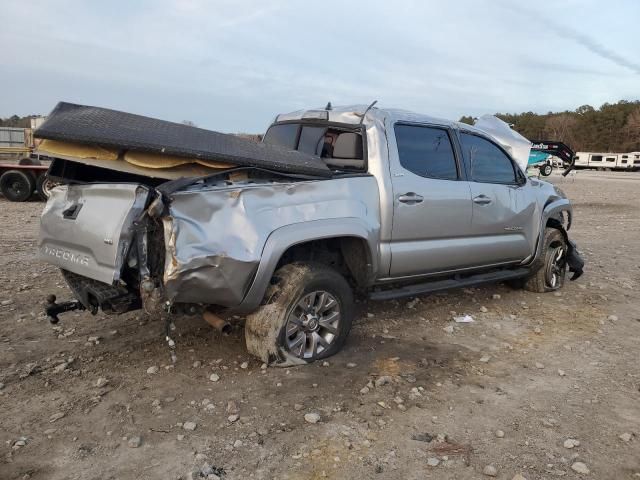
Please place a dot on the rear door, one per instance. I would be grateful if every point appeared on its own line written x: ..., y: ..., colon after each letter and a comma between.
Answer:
x: 432, y: 202
x: 505, y: 211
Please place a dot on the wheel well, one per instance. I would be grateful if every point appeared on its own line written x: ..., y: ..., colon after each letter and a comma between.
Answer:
x: 348, y: 255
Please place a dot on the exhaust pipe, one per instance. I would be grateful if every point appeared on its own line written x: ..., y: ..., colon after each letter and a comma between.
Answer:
x: 218, y: 323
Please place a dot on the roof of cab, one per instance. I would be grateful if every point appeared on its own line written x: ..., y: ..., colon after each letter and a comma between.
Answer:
x: 353, y: 114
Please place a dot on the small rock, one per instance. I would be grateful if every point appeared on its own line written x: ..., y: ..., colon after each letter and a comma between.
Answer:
x: 352, y: 365
x: 244, y: 365
x: 153, y: 370
x: 433, y: 461
x: 612, y: 318
x: 134, y: 442
x: 571, y: 442
x: 517, y: 476
x: 197, y: 364
x: 561, y: 372
x: 101, y: 382
x: 325, y: 364
x: 382, y: 380
x: 312, y: 417
x: 580, y: 468
x: 180, y: 437
x: 232, y: 407
x: 298, y: 406
x: 484, y: 309
x: 539, y: 365
x: 214, y: 377
x: 364, y: 390
x: 490, y: 471
x: 448, y: 329
x: 626, y: 437
x: 56, y: 416
x: 4, y: 303
x: 1, y: 386
x: 496, y: 296
x: 499, y: 434
x: 422, y: 437
x: 237, y: 444
x: 485, y: 358
x: 190, y: 426
x: 233, y: 418
x: 537, y: 330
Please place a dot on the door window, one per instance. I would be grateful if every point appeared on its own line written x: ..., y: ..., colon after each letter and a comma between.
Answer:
x: 426, y: 151
x: 489, y: 164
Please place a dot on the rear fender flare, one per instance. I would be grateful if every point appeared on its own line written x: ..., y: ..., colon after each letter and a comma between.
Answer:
x: 280, y: 240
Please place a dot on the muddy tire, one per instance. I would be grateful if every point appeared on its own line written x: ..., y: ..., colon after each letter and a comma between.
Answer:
x: 306, y: 316
x: 552, y: 267
x: 17, y: 185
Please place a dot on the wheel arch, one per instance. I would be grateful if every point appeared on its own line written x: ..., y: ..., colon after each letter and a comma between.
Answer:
x: 357, y: 244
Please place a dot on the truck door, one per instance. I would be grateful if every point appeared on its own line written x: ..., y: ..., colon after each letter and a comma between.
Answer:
x: 505, y: 212
x: 432, y: 202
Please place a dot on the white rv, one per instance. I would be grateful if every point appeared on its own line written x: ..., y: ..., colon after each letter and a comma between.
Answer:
x: 608, y: 161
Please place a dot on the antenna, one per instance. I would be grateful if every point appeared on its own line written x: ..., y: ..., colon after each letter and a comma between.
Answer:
x: 365, y: 112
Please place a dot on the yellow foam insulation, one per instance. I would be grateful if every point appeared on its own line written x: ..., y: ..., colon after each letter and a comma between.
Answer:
x: 157, y: 160
x: 55, y: 147
x: 214, y: 164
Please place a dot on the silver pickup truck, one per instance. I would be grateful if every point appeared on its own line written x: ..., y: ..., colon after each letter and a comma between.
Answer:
x: 414, y: 205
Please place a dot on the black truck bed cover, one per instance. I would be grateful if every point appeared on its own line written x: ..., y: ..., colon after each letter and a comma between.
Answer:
x: 125, y: 131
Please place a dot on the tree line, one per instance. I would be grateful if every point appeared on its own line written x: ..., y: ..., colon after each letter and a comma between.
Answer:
x: 610, y: 128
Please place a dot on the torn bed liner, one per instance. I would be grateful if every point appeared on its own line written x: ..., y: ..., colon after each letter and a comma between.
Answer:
x: 111, y: 128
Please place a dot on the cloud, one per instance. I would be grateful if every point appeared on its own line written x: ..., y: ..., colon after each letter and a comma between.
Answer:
x: 566, y: 31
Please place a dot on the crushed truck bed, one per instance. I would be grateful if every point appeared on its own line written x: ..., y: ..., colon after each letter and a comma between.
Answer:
x: 125, y: 131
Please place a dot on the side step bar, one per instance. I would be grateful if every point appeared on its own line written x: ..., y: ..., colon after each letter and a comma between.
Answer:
x: 447, y: 284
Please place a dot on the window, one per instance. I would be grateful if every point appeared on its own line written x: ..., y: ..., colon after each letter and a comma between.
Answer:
x: 310, y: 140
x: 596, y: 158
x: 426, y: 151
x: 488, y: 163
x: 285, y: 135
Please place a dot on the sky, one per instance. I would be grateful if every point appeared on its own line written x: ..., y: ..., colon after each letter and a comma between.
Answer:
x: 232, y: 65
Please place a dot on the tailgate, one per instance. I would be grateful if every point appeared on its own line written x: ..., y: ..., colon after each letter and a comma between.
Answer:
x: 87, y: 229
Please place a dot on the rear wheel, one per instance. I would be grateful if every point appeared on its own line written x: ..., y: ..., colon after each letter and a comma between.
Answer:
x: 17, y: 185
x: 552, y: 268
x: 546, y: 169
x: 306, y: 317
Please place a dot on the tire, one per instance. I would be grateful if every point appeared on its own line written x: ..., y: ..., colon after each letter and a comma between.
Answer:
x: 282, y: 333
x: 546, y: 169
x: 551, y: 270
x: 17, y: 185
x: 44, y: 186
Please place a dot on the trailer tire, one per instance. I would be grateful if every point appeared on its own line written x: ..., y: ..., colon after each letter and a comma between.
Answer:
x: 44, y: 186
x: 546, y: 169
x: 306, y: 316
x: 17, y: 185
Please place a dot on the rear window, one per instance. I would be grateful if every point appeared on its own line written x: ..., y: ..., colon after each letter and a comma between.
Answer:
x: 285, y: 135
x: 340, y: 147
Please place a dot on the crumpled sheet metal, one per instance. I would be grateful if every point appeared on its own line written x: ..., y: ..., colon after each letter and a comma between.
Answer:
x: 215, y: 237
x: 514, y: 143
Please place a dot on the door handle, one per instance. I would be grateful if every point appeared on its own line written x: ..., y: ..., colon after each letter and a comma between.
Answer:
x: 410, y: 198
x: 482, y: 200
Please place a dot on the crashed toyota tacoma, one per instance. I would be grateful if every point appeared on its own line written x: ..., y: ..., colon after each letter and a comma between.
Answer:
x: 334, y: 202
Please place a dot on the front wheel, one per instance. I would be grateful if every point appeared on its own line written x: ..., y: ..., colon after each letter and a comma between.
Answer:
x: 552, y: 268
x: 306, y: 317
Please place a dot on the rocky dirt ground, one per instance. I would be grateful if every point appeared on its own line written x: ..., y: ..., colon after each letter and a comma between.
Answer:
x: 538, y: 387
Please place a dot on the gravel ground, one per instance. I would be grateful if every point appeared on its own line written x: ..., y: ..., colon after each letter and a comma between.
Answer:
x: 540, y: 386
